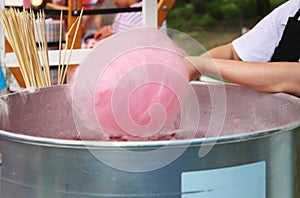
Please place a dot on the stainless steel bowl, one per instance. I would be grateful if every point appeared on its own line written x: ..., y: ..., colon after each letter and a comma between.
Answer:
x: 255, y: 155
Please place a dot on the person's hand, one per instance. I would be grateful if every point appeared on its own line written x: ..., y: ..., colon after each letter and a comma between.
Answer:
x: 103, y: 33
x: 191, y: 67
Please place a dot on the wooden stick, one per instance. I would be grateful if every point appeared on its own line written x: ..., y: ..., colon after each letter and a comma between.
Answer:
x: 36, y: 66
x: 24, y: 27
x: 27, y: 36
x: 13, y: 22
x: 73, y: 42
x: 18, y: 26
x: 43, y: 49
x: 60, y: 80
x: 38, y: 40
x: 30, y: 65
x: 46, y: 49
x: 60, y: 45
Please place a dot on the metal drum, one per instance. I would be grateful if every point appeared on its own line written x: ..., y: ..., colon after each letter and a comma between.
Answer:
x: 256, y: 153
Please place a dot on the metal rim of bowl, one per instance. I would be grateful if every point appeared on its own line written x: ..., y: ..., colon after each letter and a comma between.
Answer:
x: 51, y: 142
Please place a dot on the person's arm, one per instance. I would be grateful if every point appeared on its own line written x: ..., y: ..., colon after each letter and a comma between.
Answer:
x: 266, y: 77
x: 106, y: 31
x: 223, y: 52
x: 89, y: 19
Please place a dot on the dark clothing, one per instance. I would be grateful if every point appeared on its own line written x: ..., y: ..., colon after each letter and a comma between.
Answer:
x: 289, y: 45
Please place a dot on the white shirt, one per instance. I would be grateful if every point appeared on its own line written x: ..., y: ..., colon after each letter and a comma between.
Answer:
x: 125, y: 21
x: 259, y: 43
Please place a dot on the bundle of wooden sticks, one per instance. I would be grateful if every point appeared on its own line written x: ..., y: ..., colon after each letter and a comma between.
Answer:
x: 26, y: 33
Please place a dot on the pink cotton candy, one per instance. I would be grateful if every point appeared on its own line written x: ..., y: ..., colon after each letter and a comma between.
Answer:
x: 136, y: 84
x: 131, y: 86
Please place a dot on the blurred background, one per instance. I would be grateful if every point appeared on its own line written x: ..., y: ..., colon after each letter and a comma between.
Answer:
x: 215, y: 22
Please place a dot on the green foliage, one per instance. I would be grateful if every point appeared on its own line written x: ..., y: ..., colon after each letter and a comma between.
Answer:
x: 180, y: 16
x: 205, y: 20
x: 275, y: 3
x: 187, y: 14
x: 222, y: 9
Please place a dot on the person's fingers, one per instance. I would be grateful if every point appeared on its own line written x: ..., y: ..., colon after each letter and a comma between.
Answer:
x: 97, y: 35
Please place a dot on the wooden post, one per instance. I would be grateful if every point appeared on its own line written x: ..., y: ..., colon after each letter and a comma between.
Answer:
x: 164, y: 7
x: 71, y: 19
x: 15, y: 70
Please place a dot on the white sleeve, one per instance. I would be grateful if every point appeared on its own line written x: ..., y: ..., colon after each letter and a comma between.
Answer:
x: 259, y: 43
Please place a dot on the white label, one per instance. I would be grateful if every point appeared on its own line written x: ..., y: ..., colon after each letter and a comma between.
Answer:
x: 245, y: 181
x: 14, y: 2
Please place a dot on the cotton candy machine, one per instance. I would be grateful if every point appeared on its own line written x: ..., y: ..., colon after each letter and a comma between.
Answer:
x: 256, y: 154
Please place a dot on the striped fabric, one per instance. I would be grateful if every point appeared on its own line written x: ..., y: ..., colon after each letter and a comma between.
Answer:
x: 54, y: 75
x: 127, y: 20
x: 52, y: 30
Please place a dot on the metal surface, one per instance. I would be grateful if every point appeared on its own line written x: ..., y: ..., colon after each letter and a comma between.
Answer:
x: 41, y: 159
